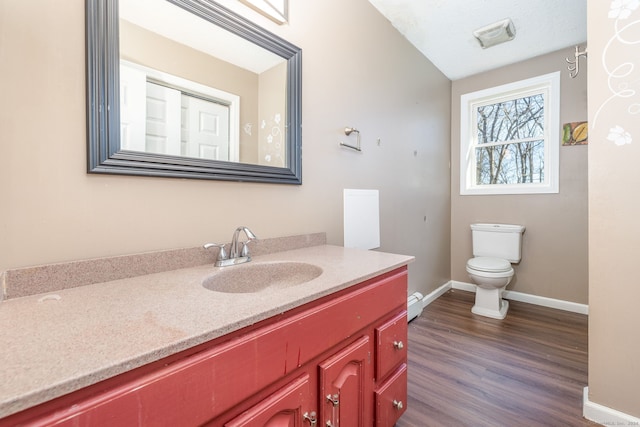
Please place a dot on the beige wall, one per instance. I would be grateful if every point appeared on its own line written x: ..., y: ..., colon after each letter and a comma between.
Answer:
x: 356, y: 72
x: 614, y: 211
x: 554, y: 253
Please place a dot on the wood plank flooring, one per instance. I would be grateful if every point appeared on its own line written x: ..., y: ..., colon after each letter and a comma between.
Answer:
x: 469, y: 370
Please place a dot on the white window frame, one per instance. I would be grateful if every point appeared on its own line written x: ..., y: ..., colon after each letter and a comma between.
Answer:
x: 549, y: 86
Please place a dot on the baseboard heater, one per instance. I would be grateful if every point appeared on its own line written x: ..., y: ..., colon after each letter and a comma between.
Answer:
x: 414, y: 306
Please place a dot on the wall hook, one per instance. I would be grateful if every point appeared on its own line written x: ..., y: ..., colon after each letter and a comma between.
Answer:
x: 574, y: 65
x: 348, y: 131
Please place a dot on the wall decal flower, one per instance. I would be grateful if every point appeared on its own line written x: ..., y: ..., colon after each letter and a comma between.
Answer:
x: 622, y: 9
x: 272, y: 152
x: 619, y: 136
x: 619, y: 59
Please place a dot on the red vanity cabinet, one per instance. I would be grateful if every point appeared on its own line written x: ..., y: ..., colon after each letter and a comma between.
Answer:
x: 327, y: 363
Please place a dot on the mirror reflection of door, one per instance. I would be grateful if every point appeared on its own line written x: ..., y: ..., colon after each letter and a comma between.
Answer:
x: 162, y: 120
x: 205, y: 129
x: 157, y: 117
x: 132, y: 109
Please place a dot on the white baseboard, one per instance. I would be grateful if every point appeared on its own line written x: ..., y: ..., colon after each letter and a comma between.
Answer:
x: 605, y: 415
x: 463, y: 286
x: 531, y: 299
x: 431, y: 297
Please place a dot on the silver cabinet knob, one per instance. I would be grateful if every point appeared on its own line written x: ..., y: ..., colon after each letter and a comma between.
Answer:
x: 398, y: 345
x: 311, y: 417
x: 398, y: 404
x: 335, y: 399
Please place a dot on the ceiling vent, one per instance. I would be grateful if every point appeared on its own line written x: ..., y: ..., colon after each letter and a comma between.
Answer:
x: 496, y: 33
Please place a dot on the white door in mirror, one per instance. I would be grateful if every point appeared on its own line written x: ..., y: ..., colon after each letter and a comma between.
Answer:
x: 162, y: 120
x: 163, y: 114
x: 205, y: 129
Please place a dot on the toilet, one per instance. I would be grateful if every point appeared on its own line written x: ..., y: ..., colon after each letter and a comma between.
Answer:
x: 495, y: 248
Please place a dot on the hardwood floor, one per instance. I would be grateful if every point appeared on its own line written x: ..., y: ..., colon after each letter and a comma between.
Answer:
x: 467, y: 370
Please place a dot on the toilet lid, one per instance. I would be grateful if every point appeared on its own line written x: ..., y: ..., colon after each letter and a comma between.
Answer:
x: 494, y: 265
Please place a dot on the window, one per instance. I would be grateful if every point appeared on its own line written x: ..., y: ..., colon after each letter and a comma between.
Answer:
x: 510, y: 138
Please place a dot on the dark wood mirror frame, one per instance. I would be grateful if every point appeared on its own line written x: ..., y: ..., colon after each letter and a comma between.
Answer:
x: 103, y: 102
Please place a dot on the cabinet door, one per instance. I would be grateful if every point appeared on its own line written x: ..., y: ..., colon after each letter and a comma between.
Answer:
x: 285, y: 408
x: 345, y: 387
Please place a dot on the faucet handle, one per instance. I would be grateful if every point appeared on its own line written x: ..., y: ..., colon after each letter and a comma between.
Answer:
x: 245, y: 248
x: 222, y: 254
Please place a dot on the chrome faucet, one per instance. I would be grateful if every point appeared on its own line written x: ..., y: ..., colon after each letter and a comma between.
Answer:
x: 236, y: 255
x: 244, y: 252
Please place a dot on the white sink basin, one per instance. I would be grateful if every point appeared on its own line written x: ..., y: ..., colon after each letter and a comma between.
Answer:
x: 255, y: 277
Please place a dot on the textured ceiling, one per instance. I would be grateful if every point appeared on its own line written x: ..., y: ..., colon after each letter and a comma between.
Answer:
x: 442, y: 30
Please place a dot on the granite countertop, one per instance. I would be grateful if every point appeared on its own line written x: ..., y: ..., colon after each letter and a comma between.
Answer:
x: 59, y: 342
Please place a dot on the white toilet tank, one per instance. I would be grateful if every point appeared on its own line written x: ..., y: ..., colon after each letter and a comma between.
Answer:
x: 497, y: 240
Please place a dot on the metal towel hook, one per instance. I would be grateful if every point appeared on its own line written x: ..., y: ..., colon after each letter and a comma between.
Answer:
x: 574, y: 65
x: 348, y: 131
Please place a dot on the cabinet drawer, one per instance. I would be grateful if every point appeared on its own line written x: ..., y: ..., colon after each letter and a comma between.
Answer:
x: 391, y: 345
x: 391, y: 398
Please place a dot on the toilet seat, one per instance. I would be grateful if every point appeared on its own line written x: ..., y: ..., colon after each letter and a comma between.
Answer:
x: 489, y: 265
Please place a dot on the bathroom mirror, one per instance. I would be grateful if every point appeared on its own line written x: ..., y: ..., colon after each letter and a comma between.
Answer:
x: 189, y: 89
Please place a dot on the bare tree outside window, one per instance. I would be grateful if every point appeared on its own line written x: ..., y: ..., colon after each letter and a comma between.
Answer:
x: 510, y: 138
x: 510, y: 141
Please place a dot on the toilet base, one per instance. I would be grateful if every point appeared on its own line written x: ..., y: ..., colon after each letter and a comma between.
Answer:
x: 489, y: 303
